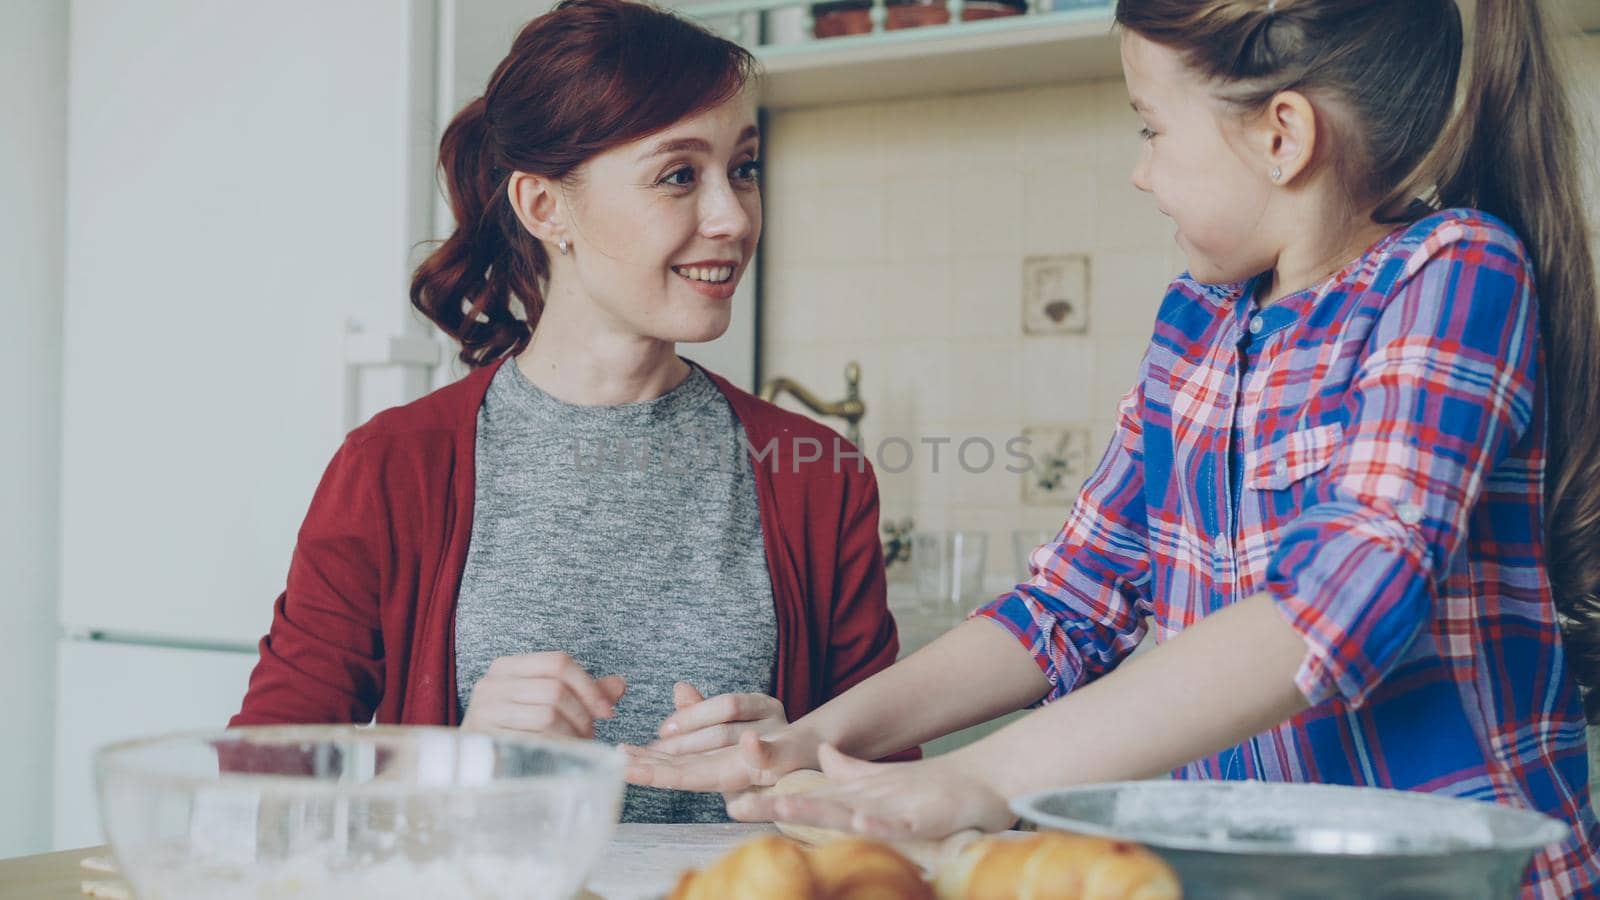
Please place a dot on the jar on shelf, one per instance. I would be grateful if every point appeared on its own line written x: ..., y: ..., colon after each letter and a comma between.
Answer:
x: 845, y: 17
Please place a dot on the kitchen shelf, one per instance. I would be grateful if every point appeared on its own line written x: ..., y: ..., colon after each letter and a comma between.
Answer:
x: 1009, y: 52
x: 990, y: 54
x: 1037, y: 47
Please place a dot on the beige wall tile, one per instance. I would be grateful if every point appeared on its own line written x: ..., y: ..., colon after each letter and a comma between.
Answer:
x: 915, y: 302
x: 917, y: 137
x: 985, y: 382
x: 917, y: 218
x: 986, y: 297
x: 1125, y: 289
x: 985, y: 214
x: 986, y: 134
x: 1058, y: 204
x: 1058, y: 127
x: 1058, y: 379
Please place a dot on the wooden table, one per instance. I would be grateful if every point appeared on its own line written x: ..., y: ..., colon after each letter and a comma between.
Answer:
x: 644, y: 861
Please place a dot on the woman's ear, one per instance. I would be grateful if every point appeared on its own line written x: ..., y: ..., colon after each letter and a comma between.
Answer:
x: 1286, y: 136
x: 536, y: 201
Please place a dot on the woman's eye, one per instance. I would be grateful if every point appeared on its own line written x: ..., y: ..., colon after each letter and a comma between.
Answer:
x: 1146, y: 134
x: 679, y: 177
x: 750, y: 171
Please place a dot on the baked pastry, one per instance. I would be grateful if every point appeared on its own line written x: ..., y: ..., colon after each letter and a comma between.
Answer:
x: 766, y: 868
x: 775, y: 868
x: 1056, y: 866
x: 860, y: 869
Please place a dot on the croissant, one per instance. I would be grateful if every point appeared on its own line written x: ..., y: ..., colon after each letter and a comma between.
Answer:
x: 1056, y: 866
x: 775, y: 868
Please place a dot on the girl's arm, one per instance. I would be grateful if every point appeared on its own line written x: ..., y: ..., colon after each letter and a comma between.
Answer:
x: 1228, y: 677
x: 971, y: 674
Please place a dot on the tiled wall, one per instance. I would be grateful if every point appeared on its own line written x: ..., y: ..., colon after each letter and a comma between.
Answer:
x: 896, y: 237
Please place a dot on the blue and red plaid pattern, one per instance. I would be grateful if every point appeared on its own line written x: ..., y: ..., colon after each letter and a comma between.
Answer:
x: 1389, y: 432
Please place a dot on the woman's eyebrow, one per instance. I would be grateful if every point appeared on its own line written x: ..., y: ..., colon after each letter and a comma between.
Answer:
x: 695, y: 145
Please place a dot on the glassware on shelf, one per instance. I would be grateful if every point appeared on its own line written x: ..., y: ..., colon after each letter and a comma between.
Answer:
x: 949, y: 570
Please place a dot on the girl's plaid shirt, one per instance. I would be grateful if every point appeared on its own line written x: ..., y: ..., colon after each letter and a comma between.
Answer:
x: 1371, y: 454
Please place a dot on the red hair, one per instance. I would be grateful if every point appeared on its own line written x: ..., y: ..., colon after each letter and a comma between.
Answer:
x: 585, y: 77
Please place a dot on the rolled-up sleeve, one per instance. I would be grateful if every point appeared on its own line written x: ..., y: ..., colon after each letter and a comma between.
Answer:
x: 1081, y: 611
x: 1444, y: 393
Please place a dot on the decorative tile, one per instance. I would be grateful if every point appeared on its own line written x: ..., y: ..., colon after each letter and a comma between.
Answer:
x: 1061, y: 460
x: 1055, y: 294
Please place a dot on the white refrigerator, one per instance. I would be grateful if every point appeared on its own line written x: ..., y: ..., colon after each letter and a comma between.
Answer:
x: 246, y: 187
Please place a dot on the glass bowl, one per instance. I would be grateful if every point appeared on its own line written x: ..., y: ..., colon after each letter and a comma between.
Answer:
x: 341, y: 811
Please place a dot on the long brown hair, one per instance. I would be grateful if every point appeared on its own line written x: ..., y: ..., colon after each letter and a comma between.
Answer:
x: 585, y: 77
x: 1511, y: 150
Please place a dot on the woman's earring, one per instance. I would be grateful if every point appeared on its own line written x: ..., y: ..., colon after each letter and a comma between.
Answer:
x: 1277, y: 175
x: 564, y: 246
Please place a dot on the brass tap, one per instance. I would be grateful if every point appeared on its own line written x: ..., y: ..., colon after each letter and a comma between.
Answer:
x: 850, y: 409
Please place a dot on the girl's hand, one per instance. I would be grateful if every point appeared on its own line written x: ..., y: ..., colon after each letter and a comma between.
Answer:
x: 541, y: 693
x: 754, y: 762
x: 929, y: 799
x: 700, y: 725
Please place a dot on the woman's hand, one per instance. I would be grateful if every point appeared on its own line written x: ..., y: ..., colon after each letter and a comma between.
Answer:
x: 929, y: 799
x: 754, y: 762
x: 700, y: 725
x: 541, y: 693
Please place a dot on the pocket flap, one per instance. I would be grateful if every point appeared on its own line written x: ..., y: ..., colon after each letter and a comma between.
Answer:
x: 1292, y: 457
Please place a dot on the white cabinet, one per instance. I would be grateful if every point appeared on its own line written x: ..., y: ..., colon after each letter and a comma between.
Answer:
x: 244, y: 180
x: 110, y: 692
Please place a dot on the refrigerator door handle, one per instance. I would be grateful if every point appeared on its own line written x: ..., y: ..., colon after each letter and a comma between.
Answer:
x: 416, y: 355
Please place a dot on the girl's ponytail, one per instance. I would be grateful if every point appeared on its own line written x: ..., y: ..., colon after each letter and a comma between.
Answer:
x: 467, y: 285
x: 1513, y: 152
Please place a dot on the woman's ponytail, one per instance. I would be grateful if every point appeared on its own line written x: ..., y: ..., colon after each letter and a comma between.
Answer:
x: 468, y: 284
x: 1512, y: 151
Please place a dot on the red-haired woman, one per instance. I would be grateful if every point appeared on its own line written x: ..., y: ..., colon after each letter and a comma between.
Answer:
x: 575, y: 539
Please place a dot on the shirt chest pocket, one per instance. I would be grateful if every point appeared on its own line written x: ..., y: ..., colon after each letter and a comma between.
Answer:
x: 1291, y: 458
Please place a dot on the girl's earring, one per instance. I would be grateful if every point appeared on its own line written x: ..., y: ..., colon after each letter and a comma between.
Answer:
x: 1277, y: 175
x: 564, y: 246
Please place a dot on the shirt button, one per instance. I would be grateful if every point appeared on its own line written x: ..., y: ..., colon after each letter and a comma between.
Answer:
x: 1280, y: 468
x: 1220, y: 547
x: 1409, y: 513
x: 1256, y: 325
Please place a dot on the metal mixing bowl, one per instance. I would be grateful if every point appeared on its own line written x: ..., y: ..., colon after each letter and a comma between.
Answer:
x: 346, y: 812
x: 1250, y: 840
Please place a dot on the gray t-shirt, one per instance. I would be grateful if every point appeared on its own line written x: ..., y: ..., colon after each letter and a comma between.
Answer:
x: 629, y: 537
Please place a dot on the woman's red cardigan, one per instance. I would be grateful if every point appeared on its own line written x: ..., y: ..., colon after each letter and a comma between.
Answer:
x: 366, y: 624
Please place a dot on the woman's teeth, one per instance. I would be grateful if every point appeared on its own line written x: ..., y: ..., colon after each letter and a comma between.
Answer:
x: 712, y: 274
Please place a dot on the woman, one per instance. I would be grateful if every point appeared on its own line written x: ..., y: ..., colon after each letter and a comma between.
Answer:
x: 535, y: 549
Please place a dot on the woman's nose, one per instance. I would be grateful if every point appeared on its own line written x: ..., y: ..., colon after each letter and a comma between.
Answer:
x: 723, y: 215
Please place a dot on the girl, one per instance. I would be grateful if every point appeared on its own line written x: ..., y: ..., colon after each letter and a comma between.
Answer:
x: 1356, y: 490
x: 572, y: 539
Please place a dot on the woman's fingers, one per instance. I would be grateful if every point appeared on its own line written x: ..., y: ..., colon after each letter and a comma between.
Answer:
x: 721, y: 709
x: 613, y: 687
x: 720, y: 771
x: 565, y: 669
x: 714, y: 738
x: 539, y: 719
x: 540, y: 692
x: 685, y: 695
